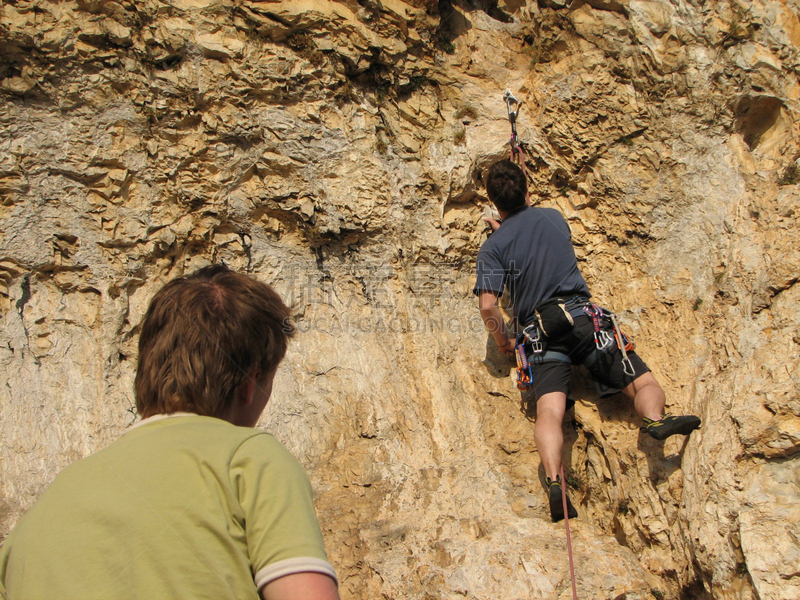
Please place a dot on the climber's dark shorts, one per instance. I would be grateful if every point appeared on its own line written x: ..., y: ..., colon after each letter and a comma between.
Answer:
x: 606, y: 371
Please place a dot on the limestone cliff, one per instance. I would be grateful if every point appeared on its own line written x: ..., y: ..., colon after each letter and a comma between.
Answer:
x: 337, y: 150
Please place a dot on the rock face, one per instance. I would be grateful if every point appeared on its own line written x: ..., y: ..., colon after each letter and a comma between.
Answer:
x: 337, y: 150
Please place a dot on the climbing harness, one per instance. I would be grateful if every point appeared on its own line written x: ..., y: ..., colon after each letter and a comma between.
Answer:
x: 556, y: 316
x: 513, y: 105
x: 569, y: 538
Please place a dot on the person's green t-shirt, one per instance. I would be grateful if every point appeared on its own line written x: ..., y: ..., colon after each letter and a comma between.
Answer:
x: 178, y: 507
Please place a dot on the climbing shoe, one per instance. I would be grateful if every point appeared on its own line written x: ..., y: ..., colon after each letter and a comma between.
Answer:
x: 556, y: 504
x: 669, y: 425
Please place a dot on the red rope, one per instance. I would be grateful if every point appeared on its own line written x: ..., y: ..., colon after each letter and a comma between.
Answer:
x: 518, y: 150
x: 569, y: 539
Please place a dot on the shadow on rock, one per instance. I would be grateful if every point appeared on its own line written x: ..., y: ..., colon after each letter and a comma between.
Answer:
x: 497, y: 364
x: 660, y: 466
x: 527, y: 403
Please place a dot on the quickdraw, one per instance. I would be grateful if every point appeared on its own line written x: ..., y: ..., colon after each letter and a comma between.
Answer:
x: 623, y: 344
x: 513, y: 113
x: 513, y: 105
x: 524, y: 371
x: 602, y: 339
x: 530, y: 335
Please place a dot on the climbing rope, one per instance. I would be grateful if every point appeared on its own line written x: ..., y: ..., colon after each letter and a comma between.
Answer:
x: 524, y: 373
x: 517, y: 154
x: 569, y: 539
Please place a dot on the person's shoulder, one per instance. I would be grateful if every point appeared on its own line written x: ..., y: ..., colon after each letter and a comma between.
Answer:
x: 261, y: 454
x: 202, y: 437
x: 549, y: 215
x: 261, y: 439
x: 545, y: 211
x: 239, y: 439
x: 263, y: 445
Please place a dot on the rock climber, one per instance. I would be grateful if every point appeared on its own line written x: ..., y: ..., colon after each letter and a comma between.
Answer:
x: 192, y: 501
x: 530, y: 253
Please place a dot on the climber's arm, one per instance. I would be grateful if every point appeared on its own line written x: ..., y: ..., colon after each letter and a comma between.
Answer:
x: 493, y: 319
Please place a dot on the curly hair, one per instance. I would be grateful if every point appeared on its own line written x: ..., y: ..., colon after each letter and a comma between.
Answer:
x: 506, y: 185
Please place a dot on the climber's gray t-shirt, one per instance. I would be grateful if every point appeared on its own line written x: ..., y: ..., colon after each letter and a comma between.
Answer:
x: 531, y: 254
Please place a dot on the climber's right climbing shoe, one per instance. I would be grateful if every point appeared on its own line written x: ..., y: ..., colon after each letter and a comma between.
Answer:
x: 556, y: 504
x: 669, y: 425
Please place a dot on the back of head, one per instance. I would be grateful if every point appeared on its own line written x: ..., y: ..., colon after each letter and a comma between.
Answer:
x: 202, y: 336
x: 506, y: 185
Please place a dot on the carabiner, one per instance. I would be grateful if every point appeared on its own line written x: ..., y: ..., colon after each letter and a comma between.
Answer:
x: 627, y: 367
x: 511, y: 101
x: 603, y: 340
x: 531, y: 333
x: 524, y: 371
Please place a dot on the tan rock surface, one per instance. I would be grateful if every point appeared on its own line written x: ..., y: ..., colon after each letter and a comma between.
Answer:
x: 337, y: 150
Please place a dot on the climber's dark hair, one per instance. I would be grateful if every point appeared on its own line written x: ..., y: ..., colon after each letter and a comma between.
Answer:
x: 506, y: 185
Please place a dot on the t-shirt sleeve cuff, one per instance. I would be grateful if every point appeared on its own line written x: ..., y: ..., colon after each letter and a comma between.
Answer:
x: 290, y: 566
x: 485, y: 288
